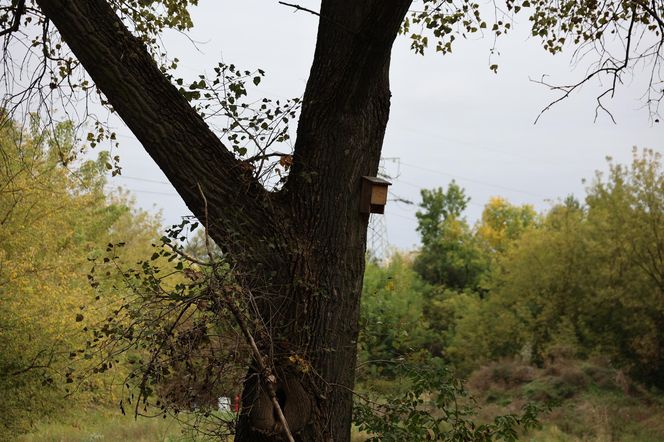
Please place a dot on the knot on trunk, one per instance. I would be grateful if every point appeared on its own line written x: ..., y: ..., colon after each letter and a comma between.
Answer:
x: 293, y: 400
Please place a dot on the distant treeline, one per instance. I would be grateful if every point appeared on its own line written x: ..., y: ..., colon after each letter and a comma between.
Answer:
x: 584, y: 279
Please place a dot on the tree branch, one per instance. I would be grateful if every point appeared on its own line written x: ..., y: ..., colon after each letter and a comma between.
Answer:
x: 300, y: 8
x: 34, y: 366
x: 265, y: 371
x: 19, y: 10
x: 167, y: 126
x: 614, y: 70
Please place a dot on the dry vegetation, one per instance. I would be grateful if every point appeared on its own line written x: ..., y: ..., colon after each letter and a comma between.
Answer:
x: 589, y: 400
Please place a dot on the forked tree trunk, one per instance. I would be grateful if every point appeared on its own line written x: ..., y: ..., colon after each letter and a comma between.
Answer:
x: 301, y: 249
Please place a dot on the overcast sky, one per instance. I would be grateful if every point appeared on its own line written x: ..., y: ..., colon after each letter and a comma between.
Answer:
x: 451, y: 118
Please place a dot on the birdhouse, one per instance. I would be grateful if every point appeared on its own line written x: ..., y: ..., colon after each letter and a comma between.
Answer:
x: 374, y: 194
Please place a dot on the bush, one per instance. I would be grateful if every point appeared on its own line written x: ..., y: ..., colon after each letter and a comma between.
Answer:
x: 437, y: 407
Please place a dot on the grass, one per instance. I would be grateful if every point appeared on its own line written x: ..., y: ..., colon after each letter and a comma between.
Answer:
x: 107, y: 426
x: 592, y: 402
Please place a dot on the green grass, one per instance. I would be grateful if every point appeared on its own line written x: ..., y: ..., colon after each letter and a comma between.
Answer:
x: 595, y: 403
x: 107, y: 426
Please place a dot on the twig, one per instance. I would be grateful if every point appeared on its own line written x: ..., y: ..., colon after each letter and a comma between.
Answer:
x: 329, y: 19
x: 615, y: 71
x: 265, y: 371
x: 33, y: 365
x: 266, y: 156
x: 144, y: 380
x: 300, y: 8
x: 188, y: 257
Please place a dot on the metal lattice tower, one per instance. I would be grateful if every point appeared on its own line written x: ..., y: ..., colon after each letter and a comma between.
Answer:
x: 378, y: 245
x: 377, y: 242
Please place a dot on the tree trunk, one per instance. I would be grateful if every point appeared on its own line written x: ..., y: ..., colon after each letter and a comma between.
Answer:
x: 301, y: 250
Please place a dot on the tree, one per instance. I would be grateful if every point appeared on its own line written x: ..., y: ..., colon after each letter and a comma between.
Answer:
x: 299, y: 249
x: 503, y: 222
x: 439, y: 206
x: 586, y: 282
x: 52, y: 220
x: 451, y: 255
x: 626, y: 225
x: 393, y: 327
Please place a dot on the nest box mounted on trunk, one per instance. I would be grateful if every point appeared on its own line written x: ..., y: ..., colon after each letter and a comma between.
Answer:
x: 374, y: 194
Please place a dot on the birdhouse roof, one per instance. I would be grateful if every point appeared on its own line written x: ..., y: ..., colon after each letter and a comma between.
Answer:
x: 377, y: 180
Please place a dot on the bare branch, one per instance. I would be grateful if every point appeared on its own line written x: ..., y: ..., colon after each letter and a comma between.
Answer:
x: 614, y: 71
x: 300, y: 8
x: 311, y: 11
x: 34, y: 365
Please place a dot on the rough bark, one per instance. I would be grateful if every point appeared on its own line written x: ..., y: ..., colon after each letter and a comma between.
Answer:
x: 306, y: 242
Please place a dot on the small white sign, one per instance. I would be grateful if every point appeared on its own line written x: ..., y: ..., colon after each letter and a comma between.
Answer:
x: 224, y: 404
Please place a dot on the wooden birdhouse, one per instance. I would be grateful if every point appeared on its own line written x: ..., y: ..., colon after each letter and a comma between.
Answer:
x: 374, y: 194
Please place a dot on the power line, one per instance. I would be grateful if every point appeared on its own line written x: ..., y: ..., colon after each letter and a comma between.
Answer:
x: 147, y: 191
x: 492, y: 149
x: 409, y: 218
x: 407, y: 183
x: 472, y: 180
x: 145, y: 180
x: 396, y: 175
x: 449, y: 139
x: 156, y: 193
